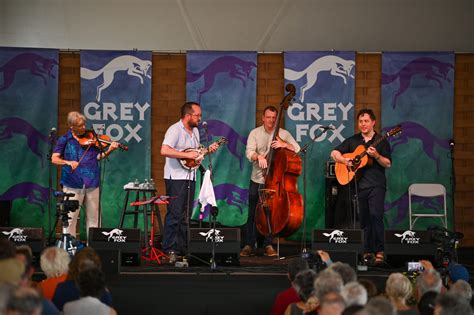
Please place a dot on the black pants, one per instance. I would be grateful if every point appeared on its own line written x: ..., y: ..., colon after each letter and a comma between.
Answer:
x: 176, y: 221
x: 371, y: 209
x: 249, y: 229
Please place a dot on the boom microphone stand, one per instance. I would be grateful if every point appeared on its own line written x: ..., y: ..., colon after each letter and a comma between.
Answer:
x: 52, y: 141
x: 102, y: 175
x: 303, y: 152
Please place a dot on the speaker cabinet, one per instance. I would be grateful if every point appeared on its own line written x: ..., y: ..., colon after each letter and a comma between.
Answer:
x: 402, y: 246
x: 127, y: 241
x: 30, y: 236
x: 346, y: 256
x: 110, y: 260
x: 226, y: 245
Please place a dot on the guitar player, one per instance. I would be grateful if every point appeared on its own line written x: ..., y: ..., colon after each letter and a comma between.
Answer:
x: 179, y: 181
x: 371, y: 182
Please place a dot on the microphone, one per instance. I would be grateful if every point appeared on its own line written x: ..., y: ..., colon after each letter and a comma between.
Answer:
x: 452, y: 144
x: 52, y: 132
x: 329, y: 127
x: 204, y: 124
x: 63, y: 194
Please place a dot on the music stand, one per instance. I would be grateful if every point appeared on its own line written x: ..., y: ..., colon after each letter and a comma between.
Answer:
x: 151, y: 253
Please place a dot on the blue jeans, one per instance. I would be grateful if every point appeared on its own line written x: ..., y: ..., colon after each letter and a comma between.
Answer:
x: 249, y: 230
x: 176, y: 221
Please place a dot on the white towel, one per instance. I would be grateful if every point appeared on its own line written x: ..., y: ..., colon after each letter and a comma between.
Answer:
x: 206, y: 195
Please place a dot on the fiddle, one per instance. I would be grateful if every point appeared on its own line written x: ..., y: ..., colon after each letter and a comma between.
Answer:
x: 90, y: 138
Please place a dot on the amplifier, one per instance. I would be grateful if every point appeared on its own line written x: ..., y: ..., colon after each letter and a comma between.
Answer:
x: 30, y: 236
x: 338, y: 240
x: 226, y: 244
x: 127, y: 241
x: 407, y: 242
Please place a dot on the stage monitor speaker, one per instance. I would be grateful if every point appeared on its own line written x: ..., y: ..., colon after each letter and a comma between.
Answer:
x: 227, y: 245
x: 402, y: 246
x: 30, y: 236
x: 127, y: 241
x: 338, y: 240
x: 110, y: 260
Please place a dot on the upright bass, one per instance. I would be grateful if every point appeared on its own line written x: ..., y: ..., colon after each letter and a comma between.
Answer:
x: 280, y: 207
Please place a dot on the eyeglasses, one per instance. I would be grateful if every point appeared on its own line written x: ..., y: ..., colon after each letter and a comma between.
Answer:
x: 197, y: 115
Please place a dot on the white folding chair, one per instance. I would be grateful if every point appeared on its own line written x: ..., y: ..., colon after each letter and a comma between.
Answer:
x: 427, y: 191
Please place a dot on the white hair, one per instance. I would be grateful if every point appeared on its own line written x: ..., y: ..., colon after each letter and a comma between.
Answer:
x: 54, y: 262
x: 354, y: 293
x: 429, y: 280
x: 462, y: 288
x: 74, y: 117
x: 398, y: 287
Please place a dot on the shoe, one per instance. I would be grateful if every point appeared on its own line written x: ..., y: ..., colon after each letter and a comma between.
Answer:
x: 270, y: 251
x: 379, y: 258
x: 246, y: 251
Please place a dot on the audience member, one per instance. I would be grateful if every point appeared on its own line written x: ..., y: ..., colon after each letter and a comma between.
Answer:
x: 427, y: 302
x: 428, y: 280
x: 354, y: 293
x: 91, y: 284
x: 378, y: 306
x: 54, y: 262
x: 353, y: 309
x: 331, y: 304
x: 457, y: 272
x: 304, y: 286
x: 326, y: 282
x: 451, y: 304
x: 346, y: 272
x: 462, y: 288
x: 398, y: 289
x: 289, y: 296
x: 67, y: 291
x: 24, y: 301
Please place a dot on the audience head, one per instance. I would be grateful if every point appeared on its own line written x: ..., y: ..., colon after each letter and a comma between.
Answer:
x: 398, y: 287
x: 91, y: 282
x: 379, y: 305
x: 451, y: 304
x: 85, y: 258
x: 25, y: 255
x: 427, y: 302
x: 331, y: 303
x: 54, y: 262
x: 369, y: 286
x: 296, y: 265
x: 346, y: 272
x: 7, y: 249
x: 326, y: 282
x: 462, y: 288
x: 354, y: 293
x: 353, y: 309
x: 428, y: 280
x: 457, y: 272
x: 6, y: 290
x: 24, y: 300
x: 303, y: 284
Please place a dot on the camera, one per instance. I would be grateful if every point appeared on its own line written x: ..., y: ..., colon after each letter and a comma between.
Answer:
x: 414, y: 266
x: 64, y: 205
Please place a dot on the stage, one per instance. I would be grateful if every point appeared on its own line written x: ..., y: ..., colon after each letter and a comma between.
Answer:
x: 248, y: 288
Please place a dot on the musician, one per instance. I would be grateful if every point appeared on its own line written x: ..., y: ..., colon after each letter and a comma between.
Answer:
x: 179, y: 181
x: 258, y: 146
x: 371, y: 186
x: 81, y: 178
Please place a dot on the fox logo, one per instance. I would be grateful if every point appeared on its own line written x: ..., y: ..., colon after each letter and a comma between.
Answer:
x: 132, y: 65
x: 216, y: 232
x: 16, y: 235
x: 336, y: 236
x: 116, y: 235
x: 336, y: 66
x: 408, y: 237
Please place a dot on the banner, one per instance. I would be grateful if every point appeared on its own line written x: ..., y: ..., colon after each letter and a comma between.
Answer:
x: 28, y: 112
x: 417, y: 93
x: 324, y: 96
x: 116, y: 98
x: 224, y: 83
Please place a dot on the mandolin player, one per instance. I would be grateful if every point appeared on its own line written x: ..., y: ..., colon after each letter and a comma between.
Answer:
x: 179, y: 181
x: 371, y: 182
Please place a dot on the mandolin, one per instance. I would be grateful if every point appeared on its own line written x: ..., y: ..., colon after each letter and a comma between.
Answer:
x: 192, y: 164
x: 359, y: 157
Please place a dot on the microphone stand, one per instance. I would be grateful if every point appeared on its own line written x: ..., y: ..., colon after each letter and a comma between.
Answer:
x: 453, y: 179
x: 209, y: 167
x: 303, y: 152
x: 52, y: 141
x: 101, y: 177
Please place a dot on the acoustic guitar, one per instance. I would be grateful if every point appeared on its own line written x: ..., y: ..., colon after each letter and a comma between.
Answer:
x: 192, y: 164
x: 344, y: 173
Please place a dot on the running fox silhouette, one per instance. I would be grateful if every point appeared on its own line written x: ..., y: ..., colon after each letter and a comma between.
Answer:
x: 132, y: 65
x: 15, y: 231
x: 336, y: 66
x: 209, y: 233
x: 236, y: 68
x: 36, y: 64
x: 114, y: 232
x: 333, y: 234
x: 431, y: 68
x: 33, y: 193
x: 405, y: 235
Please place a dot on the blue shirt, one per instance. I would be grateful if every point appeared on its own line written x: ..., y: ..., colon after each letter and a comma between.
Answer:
x: 179, y: 139
x: 87, y: 173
